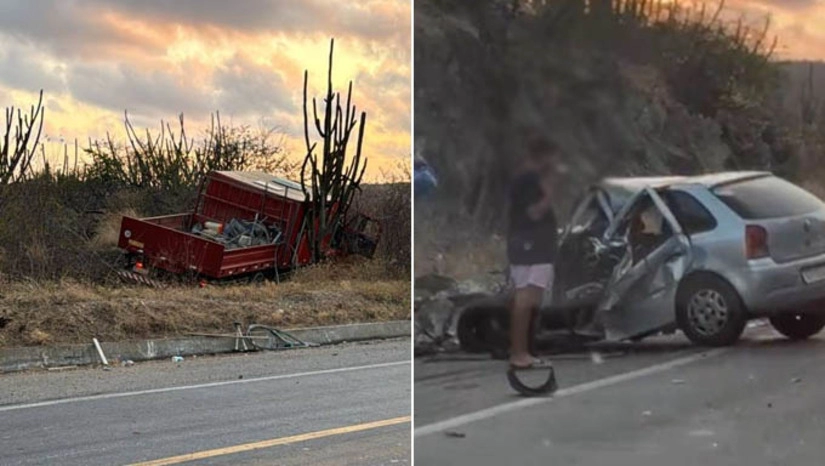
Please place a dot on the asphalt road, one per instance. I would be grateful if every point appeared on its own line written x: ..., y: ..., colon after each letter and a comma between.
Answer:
x: 661, y: 402
x: 346, y: 404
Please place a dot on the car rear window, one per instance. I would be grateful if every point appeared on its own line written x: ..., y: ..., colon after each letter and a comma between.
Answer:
x: 767, y: 197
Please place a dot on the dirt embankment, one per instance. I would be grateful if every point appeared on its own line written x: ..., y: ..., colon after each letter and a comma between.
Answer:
x: 73, y: 312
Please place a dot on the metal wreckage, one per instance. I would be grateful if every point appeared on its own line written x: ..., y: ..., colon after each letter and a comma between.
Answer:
x: 704, y: 255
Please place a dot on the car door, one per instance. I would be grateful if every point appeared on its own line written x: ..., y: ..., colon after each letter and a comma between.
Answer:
x: 640, y: 296
x: 574, y: 281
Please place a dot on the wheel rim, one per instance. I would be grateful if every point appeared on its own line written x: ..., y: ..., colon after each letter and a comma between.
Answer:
x: 708, y: 312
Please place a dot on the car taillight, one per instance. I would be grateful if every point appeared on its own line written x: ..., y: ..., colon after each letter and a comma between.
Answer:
x: 139, y: 265
x: 756, y: 242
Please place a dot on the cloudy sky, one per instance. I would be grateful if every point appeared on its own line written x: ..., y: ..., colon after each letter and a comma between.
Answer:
x: 158, y: 58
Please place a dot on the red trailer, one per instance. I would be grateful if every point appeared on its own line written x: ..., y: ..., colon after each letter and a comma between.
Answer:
x: 244, y: 224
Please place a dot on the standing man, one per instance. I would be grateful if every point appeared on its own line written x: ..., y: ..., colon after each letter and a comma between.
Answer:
x: 531, y: 246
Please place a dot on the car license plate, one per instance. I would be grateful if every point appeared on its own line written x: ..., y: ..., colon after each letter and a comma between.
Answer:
x: 814, y: 274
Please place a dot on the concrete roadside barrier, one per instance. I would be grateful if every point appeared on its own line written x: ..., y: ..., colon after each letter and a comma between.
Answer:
x: 23, y: 358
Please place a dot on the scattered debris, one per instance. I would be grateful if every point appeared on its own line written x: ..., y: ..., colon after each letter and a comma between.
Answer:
x: 647, y: 413
x: 61, y: 368
x: 100, y: 352
x: 770, y: 405
x: 796, y: 380
x: 756, y: 323
x: 596, y: 357
x: 240, y: 377
x: 677, y: 381
x: 128, y: 363
x: 454, y: 434
x: 177, y: 359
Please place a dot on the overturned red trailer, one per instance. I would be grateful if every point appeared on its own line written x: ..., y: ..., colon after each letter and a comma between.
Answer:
x: 244, y: 225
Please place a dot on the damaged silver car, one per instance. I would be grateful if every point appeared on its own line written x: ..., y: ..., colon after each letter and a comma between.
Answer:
x: 703, y: 254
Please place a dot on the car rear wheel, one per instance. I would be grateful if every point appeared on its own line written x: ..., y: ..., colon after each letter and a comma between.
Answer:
x: 798, y: 326
x: 709, y: 311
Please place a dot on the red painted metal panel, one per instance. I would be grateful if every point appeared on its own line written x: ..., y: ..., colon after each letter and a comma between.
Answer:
x: 169, y: 248
x: 166, y: 242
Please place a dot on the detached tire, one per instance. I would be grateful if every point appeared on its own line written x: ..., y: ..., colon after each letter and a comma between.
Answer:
x: 710, y: 312
x: 798, y: 326
x: 482, y: 328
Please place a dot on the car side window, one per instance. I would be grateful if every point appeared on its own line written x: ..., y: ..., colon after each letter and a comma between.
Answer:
x: 592, y: 219
x: 692, y: 216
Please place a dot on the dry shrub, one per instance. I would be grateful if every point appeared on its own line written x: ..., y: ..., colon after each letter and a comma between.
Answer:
x: 351, y: 268
x: 36, y: 337
x: 449, y: 243
x: 107, y: 231
x: 391, y: 205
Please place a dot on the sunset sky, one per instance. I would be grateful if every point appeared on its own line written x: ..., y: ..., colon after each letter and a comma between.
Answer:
x: 156, y: 59
x: 97, y: 58
x: 798, y: 24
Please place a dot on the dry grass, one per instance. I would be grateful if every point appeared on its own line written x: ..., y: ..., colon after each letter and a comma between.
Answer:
x: 448, y: 242
x: 461, y: 260
x: 72, y: 312
x: 108, y: 230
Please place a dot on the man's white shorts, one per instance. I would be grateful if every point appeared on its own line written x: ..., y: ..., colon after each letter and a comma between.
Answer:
x: 540, y: 275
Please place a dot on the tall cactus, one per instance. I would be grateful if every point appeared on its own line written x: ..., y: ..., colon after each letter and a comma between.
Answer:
x: 328, y: 183
x: 16, y: 155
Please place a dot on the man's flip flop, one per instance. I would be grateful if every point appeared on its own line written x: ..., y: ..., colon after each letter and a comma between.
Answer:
x: 537, y: 364
x: 547, y: 388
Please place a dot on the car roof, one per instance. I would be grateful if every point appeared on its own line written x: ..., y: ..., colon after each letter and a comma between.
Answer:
x: 619, y: 190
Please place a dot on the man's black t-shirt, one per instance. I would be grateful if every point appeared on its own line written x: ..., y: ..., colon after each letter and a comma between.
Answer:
x: 529, y: 241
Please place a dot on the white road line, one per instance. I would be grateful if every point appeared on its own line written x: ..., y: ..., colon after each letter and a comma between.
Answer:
x: 574, y: 390
x: 107, y: 396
